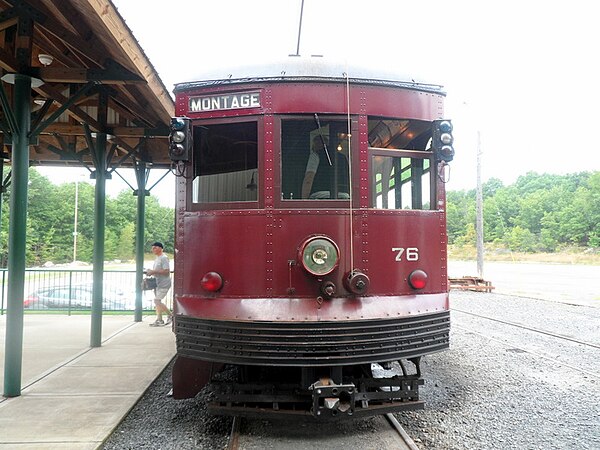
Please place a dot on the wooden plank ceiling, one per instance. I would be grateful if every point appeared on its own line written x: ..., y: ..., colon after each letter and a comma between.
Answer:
x: 95, y: 61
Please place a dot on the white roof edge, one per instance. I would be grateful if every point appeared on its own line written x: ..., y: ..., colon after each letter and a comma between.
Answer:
x: 295, y: 67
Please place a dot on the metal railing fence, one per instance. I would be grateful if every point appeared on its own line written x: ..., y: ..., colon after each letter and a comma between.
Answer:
x: 70, y: 290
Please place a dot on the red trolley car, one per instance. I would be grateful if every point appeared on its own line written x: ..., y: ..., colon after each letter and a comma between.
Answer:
x: 310, y: 240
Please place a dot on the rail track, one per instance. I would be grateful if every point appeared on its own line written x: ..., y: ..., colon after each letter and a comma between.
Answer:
x: 401, y: 440
x: 392, y: 435
x: 401, y: 432
x: 234, y: 436
x: 525, y: 327
x: 539, y: 354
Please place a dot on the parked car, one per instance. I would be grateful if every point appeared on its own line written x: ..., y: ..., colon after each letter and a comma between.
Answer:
x: 79, y: 297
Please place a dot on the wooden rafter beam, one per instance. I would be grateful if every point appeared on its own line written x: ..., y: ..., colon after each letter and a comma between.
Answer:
x: 63, y: 129
x: 66, y: 129
x: 133, y: 110
x: 11, y: 22
x: 114, y: 74
x: 90, y: 42
x: 55, y: 47
x: 140, y: 132
x: 74, y: 111
x: 78, y: 45
x: 7, y: 61
x: 121, y: 34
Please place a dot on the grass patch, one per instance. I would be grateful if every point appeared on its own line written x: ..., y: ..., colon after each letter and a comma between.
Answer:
x: 565, y: 256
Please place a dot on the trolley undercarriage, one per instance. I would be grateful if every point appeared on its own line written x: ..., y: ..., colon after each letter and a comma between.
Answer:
x: 261, y: 392
x: 323, y: 370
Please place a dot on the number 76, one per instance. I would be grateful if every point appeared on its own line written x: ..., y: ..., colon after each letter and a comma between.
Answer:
x: 411, y: 253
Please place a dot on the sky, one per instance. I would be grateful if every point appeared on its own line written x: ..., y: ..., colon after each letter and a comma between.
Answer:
x: 521, y: 75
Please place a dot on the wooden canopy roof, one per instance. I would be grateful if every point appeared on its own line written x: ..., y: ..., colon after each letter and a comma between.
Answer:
x: 89, y: 75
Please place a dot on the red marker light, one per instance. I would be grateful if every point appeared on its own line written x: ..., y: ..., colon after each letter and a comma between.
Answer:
x: 211, y: 282
x: 417, y: 279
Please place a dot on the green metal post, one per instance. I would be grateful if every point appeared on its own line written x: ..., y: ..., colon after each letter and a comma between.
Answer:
x: 13, y: 357
x: 99, y: 223
x: 1, y: 185
x: 140, y: 173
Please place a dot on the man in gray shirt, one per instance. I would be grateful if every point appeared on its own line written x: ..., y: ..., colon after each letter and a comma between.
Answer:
x: 162, y: 272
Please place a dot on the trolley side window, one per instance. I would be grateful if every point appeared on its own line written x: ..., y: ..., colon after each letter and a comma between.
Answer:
x: 314, y: 159
x: 401, y: 182
x: 226, y: 163
x: 401, y: 175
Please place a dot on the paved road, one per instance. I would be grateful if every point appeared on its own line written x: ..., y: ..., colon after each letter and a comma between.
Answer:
x: 566, y: 283
x: 73, y: 396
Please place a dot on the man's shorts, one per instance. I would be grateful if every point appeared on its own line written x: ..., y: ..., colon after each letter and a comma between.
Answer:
x: 160, y: 293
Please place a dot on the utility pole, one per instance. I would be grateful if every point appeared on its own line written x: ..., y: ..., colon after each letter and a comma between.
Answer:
x: 479, y: 201
x: 75, y: 220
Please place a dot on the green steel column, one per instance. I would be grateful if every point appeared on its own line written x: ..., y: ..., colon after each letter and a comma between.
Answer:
x: 99, y: 224
x: 13, y: 357
x: 1, y: 185
x: 140, y: 173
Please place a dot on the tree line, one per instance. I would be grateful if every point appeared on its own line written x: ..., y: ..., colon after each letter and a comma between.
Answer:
x: 538, y: 213
x: 51, y: 223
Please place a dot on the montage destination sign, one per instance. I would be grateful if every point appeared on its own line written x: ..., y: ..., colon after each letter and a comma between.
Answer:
x: 224, y: 101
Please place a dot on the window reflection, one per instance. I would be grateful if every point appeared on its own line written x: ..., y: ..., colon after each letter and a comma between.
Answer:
x: 314, y: 160
x: 226, y: 163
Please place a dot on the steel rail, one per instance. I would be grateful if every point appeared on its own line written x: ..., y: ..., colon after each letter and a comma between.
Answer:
x: 535, y: 330
x: 234, y: 436
x: 403, y: 434
x: 538, y: 297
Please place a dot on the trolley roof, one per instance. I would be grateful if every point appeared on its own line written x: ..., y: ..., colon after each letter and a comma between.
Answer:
x: 315, y: 69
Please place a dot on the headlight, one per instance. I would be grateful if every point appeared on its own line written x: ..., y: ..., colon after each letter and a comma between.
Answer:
x: 319, y: 255
x: 446, y: 138
x: 178, y: 137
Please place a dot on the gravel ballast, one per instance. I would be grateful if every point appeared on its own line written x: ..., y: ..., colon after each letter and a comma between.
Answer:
x: 499, y: 386
x: 502, y: 387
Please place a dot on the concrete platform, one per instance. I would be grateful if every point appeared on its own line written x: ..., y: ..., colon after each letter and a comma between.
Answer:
x: 73, y: 396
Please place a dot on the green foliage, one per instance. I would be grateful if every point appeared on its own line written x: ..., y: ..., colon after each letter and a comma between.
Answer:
x: 520, y: 239
x: 460, y: 212
x: 51, y: 223
x: 126, y: 248
x: 490, y: 187
x: 537, y: 213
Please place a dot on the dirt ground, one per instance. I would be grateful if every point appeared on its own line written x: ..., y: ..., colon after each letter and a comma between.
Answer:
x: 568, y: 283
